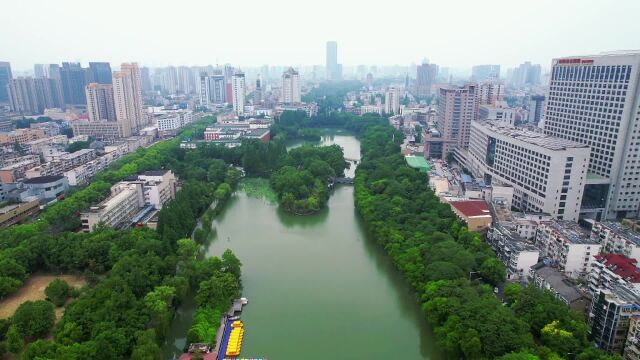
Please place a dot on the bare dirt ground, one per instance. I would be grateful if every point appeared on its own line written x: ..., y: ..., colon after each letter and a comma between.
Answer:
x: 33, y: 289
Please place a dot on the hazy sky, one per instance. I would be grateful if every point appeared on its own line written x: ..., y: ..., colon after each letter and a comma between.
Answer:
x: 281, y: 32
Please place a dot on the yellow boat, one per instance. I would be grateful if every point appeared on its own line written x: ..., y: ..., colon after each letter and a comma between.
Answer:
x: 234, y: 343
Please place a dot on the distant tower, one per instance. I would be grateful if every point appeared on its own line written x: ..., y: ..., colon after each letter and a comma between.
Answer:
x: 73, y: 81
x: 425, y: 78
x: 257, y: 93
x: 369, y: 80
x: 5, y: 78
x: 334, y: 70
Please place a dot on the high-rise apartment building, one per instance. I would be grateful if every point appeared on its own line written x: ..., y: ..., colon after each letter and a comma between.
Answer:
x: 334, y: 70
x: 610, y: 315
x: 526, y: 74
x: 457, y: 108
x: 547, y: 173
x: 127, y: 96
x: 490, y: 92
x: 239, y: 89
x: 425, y: 78
x: 291, y: 87
x: 5, y: 77
x: 100, y: 72
x: 392, y: 101
x: 73, y: 80
x: 185, y: 80
x: 31, y: 96
x: 212, y: 89
x: 567, y: 246
x: 595, y: 100
x: 22, y: 96
x: 100, y: 104
x: 481, y: 73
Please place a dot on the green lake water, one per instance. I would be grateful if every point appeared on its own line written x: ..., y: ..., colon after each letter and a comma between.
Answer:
x: 318, y: 287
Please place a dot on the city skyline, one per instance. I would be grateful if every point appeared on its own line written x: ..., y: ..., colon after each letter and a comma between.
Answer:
x: 550, y: 33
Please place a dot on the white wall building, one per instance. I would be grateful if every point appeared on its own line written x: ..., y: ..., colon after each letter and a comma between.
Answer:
x: 567, y: 246
x: 500, y: 113
x: 392, y: 101
x: 547, y: 173
x: 616, y: 238
x: 371, y: 109
x: 609, y: 270
x: 238, y: 87
x: 125, y: 201
x: 291, y: 87
x: 159, y: 187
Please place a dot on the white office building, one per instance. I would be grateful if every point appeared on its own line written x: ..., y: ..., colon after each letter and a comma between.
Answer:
x: 547, y: 173
x: 595, y: 100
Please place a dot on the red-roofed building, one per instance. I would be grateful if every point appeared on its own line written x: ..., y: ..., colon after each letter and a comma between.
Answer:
x: 608, y: 270
x: 474, y: 212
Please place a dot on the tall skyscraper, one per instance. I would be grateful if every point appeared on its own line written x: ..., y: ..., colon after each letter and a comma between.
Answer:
x: 457, y: 108
x: 481, y: 73
x: 425, y: 78
x: 290, y: 86
x: 100, y: 72
x: 238, y: 87
x: 127, y: 96
x: 53, y: 72
x: 536, y: 108
x: 100, y: 104
x: 73, y: 80
x: 40, y: 70
x: 334, y: 70
x: 5, y: 77
x: 595, y: 100
x: 145, y: 79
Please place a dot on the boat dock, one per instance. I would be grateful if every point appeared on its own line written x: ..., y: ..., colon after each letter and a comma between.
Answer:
x: 237, y: 306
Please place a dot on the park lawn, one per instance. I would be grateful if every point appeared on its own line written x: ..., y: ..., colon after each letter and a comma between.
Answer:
x: 33, y: 289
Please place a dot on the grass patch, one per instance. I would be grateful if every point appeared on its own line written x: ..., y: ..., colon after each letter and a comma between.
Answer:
x: 259, y: 188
